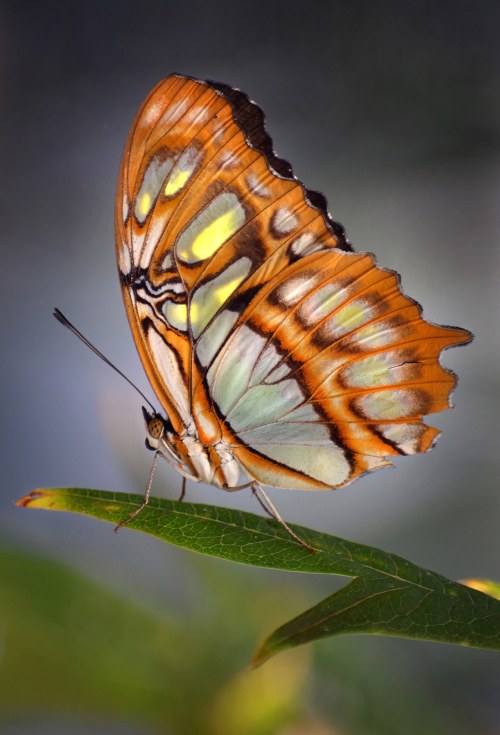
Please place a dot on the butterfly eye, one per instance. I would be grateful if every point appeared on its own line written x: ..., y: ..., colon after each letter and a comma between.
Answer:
x: 149, y: 446
x: 156, y: 428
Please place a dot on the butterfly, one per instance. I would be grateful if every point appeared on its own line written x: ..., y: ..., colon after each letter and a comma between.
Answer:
x: 277, y: 352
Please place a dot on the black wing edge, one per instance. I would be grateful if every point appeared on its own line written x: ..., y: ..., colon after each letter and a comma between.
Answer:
x: 251, y: 119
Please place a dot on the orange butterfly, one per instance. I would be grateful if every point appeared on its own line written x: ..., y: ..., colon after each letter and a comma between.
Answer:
x: 276, y: 351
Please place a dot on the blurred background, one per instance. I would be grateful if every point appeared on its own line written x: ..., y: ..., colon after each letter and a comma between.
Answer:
x: 392, y: 110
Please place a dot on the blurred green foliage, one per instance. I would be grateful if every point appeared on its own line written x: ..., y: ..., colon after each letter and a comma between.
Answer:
x: 73, y: 649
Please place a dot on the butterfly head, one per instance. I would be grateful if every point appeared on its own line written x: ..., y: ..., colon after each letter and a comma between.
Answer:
x: 156, y: 428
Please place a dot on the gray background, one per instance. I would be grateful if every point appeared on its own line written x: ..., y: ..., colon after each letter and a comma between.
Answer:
x: 389, y: 108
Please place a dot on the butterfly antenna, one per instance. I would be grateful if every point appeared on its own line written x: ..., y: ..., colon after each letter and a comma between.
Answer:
x: 66, y: 323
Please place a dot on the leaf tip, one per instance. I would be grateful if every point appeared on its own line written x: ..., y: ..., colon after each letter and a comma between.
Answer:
x: 487, y: 586
x: 39, y: 498
x: 262, y: 654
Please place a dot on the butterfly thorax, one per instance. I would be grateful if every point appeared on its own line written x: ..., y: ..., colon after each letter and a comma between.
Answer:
x: 186, y: 453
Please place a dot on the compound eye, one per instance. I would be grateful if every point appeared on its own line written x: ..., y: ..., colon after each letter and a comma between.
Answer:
x: 156, y: 428
x: 148, y: 445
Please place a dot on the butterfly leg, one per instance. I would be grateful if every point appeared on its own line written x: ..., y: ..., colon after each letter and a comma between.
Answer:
x: 183, y: 490
x: 271, y: 510
x: 147, y: 494
x: 267, y: 504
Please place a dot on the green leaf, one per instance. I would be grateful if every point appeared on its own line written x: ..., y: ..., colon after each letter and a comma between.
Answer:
x: 433, y: 609
x: 70, y: 645
x: 389, y: 595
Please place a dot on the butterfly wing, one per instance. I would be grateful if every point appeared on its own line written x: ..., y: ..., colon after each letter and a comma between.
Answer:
x: 251, y: 314
x: 329, y: 372
x: 198, y: 192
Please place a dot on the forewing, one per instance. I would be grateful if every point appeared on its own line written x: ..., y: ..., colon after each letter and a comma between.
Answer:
x: 205, y: 215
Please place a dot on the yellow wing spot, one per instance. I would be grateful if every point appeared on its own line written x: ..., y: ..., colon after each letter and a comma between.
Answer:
x: 144, y: 204
x: 373, y: 371
x: 194, y: 312
x: 208, y: 299
x: 215, y: 224
x: 177, y: 180
x: 200, y: 313
x: 351, y: 316
x: 322, y: 302
x: 222, y: 293
x: 215, y: 234
x: 389, y: 405
x: 152, y: 183
x: 375, y: 336
x: 176, y: 315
